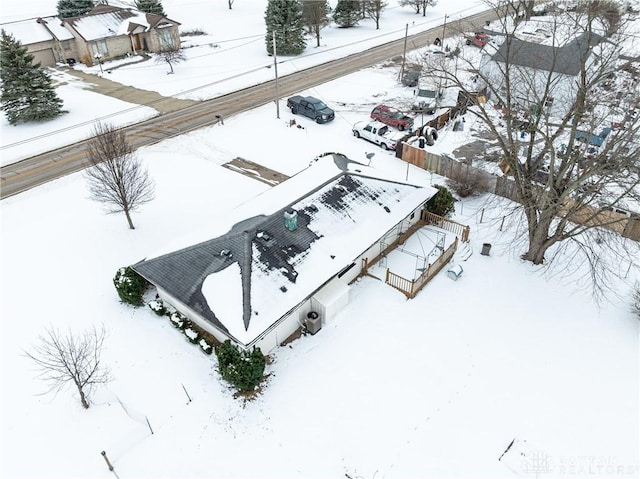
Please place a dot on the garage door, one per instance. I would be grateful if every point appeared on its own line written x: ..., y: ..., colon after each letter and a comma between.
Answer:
x: 45, y: 57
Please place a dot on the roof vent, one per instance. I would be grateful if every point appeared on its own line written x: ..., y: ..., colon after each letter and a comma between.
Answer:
x: 291, y: 219
x: 264, y: 236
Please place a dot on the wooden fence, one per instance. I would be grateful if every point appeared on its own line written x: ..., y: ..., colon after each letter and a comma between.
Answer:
x: 458, y: 229
x: 505, y: 187
x: 412, y: 287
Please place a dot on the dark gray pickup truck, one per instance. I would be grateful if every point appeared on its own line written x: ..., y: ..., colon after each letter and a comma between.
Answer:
x: 312, y: 107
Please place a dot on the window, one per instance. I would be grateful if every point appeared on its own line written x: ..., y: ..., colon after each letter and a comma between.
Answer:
x: 66, y: 44
x: 99, y: 47
x: 166, y: 39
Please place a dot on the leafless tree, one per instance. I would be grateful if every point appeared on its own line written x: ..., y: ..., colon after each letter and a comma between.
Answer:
x: 568, y: 137
x: 635, y: 305
x: 316, y: 16
x: 171, y: 56
x: 68, y: 358
x: 115, y: 175
x: 373, y: 9
x: 230, y: 3
x: 417, y: 5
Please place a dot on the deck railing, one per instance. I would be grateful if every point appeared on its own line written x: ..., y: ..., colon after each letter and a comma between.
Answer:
x: 411, y: 287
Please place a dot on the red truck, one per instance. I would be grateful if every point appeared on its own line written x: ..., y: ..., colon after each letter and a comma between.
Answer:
x: 392, y: 117
x: 478, y: 39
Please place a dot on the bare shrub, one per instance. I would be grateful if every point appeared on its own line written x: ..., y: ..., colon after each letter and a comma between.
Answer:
x: 467, y: 181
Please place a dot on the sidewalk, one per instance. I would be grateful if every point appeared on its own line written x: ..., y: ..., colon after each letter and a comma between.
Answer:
x: 130, y: 94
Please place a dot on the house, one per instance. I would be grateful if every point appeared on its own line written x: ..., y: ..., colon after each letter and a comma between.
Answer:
x: 285, y: 255
x: 533, y: 59
x: 45, y: 38
x: 105, y: 32
x: 109, y: 32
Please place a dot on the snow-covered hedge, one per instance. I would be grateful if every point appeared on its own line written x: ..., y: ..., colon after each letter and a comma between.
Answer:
x: 191, y: 334
x: 157, y: 306
x: 178, y: 320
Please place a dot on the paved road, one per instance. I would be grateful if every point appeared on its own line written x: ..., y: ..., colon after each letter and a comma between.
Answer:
x: 34, y: 171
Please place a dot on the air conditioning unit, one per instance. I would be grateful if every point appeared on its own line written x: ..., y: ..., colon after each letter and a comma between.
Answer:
x: 313, y: 322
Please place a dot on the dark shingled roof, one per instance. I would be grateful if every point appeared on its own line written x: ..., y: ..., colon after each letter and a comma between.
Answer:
x: 565, y: 59
x: 274, y: 247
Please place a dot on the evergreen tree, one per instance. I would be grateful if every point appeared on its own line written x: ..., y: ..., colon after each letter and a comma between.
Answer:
x: 27, y: 93
x: 150, y: 6
x: 284, y: 17
x: 347, y: 13
x: 74, y: 8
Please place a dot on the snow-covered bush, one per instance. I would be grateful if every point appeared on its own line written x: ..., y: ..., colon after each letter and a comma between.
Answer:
x: 178, y: 320
x: 157, y: 306
x: 442, y: 203
x: 243, y: 370
x: 130, y: 286
x: 205, y: 346
x: 192, y: 334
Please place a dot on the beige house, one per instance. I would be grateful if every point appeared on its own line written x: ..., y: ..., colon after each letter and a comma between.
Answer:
x: 45, y: 38
x: 109, y: 32
x: 105, y: 32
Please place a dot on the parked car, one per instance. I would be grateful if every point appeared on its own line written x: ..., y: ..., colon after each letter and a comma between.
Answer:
x: 311, y: 107
x: 428, y: 96
x: 377, y: 133
x: 478, y: 39
x: 391, y: 116
x: 411, y: 78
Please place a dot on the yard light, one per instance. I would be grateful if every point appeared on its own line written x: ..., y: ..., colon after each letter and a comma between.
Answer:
x: 99, y: 58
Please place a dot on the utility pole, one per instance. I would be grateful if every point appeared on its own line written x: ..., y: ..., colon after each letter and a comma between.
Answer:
x: 444, y: 29
x: 404, y: 53
x: 275, y: 67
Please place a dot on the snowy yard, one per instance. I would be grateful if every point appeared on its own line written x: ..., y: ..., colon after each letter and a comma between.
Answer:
x: 437, y: 386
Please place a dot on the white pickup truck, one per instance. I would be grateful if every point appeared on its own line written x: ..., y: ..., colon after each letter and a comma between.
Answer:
x: 377, y: 133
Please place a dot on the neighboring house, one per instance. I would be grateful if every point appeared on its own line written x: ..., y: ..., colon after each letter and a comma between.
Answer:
x: 45, y: 38
x: 105, y: 32
x: 108, y: 32
x: 286, y: 255
x: 532, y: 60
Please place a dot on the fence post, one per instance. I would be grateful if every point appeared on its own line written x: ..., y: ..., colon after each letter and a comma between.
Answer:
x: 481, y: 215
x: 104, y: 454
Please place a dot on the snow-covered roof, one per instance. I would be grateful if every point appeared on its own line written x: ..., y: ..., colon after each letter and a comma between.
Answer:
x: 56, y: 27
x: 336, y: 222
x: 35, y: 30
x: 108, y: 21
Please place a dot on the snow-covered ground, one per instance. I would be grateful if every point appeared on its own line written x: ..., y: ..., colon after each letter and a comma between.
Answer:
x: 231, y: 56
x: 431, y: 387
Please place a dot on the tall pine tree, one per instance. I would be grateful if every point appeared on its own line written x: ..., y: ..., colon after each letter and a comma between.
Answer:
x: 74, y: 8
x: 150, y: 6
x: 347, y: 13
x: 284, y: 17
x: 27, y: 93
